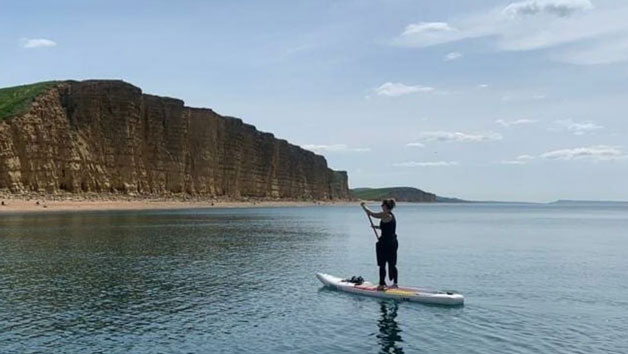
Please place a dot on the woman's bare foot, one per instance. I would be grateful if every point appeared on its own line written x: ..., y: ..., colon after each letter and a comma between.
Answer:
x: 381, y: 287
x: 394, y: 286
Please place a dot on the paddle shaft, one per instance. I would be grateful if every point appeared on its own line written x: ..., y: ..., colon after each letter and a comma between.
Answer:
x: 372, y: 226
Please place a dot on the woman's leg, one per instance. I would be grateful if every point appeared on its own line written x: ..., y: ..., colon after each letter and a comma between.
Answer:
x: 392, y: 263
x: 392, y: 272
x: 382, y: 274
x: 381, y: 263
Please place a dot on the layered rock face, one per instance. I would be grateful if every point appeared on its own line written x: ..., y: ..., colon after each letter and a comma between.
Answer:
x: 108, y: 137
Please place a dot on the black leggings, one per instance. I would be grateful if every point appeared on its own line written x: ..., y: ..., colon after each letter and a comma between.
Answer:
x: 387, y: 253
x: 392, y: 273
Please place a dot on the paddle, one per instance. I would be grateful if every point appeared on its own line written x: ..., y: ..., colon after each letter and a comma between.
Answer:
x: 372, y: 225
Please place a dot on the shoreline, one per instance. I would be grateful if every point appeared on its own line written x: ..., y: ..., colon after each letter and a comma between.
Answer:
x: 31, y: 204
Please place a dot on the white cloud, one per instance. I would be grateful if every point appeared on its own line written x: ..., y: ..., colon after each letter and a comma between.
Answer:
x: 441, y: 136
x: 37, y: 43
x: 520, y: 160
x: 561, y: 8
x: 319, y: 149
x: 512, y: 162
x: 393, y: 89
x: 578, y: 128
x: 525, y: 157
x: 453, y: 56
x: 510, y: 123
x: 527, y: 25
x: 594, y: 153
x: 608, y: 51
x: 426, y: 34
x: 590, y: 153
x: 420, y: 145
x: 426, y: 164
x: 427, y: 28
x: 523, y: 96
x: 482, y: 86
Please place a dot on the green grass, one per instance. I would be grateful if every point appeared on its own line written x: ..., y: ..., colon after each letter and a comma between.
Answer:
x: 401, y: 194
x: 15, y: 100
x: 371, y: 194
x: 382, y: 193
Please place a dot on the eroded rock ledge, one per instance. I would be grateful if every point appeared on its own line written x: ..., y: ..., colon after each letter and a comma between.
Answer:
x: 108, y: 137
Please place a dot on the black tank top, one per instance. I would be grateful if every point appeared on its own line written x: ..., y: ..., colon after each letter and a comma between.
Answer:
x: 389, y: 229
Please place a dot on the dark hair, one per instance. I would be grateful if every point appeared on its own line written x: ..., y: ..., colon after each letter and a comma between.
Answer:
x: 389, y: 203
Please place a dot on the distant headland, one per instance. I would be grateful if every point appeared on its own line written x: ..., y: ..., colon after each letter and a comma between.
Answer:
x: 402, y: 194
x: 589, y: 202
x: 415, y: 195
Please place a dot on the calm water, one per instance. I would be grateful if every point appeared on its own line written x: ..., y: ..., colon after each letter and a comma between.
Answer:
x: 537, y: 279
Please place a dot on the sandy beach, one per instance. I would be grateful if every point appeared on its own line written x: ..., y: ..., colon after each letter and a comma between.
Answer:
x: 33, y: 204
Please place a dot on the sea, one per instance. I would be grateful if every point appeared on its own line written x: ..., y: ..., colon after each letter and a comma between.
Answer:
x: 537, y: 278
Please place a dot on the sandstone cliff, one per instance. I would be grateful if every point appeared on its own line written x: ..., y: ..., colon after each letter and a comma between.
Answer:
x: 109, y: 137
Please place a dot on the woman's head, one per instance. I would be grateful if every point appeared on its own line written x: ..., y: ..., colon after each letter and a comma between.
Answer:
x: 388, y: 204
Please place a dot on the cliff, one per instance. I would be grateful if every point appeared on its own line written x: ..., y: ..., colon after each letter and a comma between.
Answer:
x: 109, y: 137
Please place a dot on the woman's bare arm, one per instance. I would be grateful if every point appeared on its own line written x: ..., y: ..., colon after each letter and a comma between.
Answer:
x: 381, y: 215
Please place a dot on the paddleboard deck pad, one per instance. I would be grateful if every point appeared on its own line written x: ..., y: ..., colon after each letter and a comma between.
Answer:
x: 426, y: 296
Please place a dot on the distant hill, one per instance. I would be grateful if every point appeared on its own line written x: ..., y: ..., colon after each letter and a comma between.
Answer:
x: 401, y: 194
x: 440, y: 199
x: 589, y: 202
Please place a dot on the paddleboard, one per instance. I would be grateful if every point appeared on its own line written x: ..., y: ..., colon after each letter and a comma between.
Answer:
x: 426, y: 296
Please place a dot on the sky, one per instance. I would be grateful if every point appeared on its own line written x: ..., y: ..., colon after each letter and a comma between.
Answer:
x: 483, y: 100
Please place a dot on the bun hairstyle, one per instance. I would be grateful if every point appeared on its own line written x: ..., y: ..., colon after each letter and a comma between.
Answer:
x: 389, y: 203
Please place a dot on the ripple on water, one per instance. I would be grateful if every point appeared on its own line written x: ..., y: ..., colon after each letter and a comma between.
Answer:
x: 243, y: 281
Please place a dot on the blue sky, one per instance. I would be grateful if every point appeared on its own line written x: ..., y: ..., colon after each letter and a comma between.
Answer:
x: 500, y: 100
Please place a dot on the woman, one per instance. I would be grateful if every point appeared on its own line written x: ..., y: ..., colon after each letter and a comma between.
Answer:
x: 387, y: 244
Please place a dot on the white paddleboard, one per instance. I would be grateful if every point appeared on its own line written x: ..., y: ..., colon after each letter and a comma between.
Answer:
x: 425, y: 296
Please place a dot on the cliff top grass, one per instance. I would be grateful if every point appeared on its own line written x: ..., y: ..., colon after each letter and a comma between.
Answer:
x: 401, y: 193
x: 15, y: 100
x: 380, y: 193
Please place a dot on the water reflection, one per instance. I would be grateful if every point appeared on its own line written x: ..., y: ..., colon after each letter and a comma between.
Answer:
x: 114, y: 278
x: 389, y: 336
